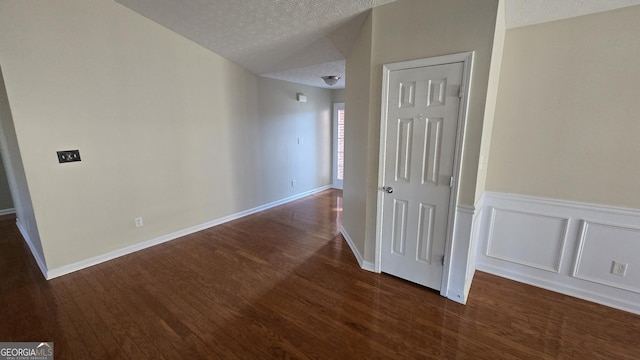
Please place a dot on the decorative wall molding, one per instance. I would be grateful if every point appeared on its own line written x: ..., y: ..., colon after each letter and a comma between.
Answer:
x: 620, y: 243
x: 540, y: 250
x: 563, y: 246
x: 63, y: 270
x: 7, y: 211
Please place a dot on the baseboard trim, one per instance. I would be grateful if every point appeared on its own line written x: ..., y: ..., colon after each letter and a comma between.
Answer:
x: 7, y: 211
x: 365, y: 265
x: 353, y: 247
x: 369, y: 266
x: 561, y: 288
x: 63, y: 270
x: 36, y: 255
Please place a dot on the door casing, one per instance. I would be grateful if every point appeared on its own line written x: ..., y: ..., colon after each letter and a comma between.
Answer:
x: 336, y: 183
x: 467, y: 59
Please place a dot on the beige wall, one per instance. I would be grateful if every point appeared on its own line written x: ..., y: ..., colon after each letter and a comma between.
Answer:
x: 358, y: 85
x: 405, y: 30
x: 282, y: 119
x: 566, y: 123
x: 16, y: 176
x: 167, y: 130
x: 492, y: 98
x: 338, y: 95
x: 5, y: 193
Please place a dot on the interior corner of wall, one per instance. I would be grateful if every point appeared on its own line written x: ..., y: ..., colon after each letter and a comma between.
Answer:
x: 491, y: 101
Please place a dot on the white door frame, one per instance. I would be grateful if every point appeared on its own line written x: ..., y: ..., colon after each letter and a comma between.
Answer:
x: 467, y: 59
x: 337, y: 184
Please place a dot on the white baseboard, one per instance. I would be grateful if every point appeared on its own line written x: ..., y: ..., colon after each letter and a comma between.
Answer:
x: 558, y: 287
x: 7, y: 211
x: 365, y: 265
x: 563, y: 246
x: 460, y: 273
x: 369, y: 266
x: 63, y: 270
x: 36, y: 254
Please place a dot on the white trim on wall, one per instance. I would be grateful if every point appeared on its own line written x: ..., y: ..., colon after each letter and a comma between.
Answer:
x: 461, y: 259
x: 336, y: 183
x: 63, y: 270
x: 563, y: 246
x: 36, y: 255
x: 365, y: 265
x: 7, y: 211
x: 593, y: 245
x: 535, y: 221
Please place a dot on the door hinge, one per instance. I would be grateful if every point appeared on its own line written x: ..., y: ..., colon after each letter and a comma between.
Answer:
x: 442, y: 260
x: 452, y: 182
x: 461, y: 92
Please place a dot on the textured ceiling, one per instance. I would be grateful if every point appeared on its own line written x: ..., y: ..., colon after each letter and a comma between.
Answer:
x: 529, y: 12
x: 309, y: 75
x: 267, y: 37
x: 302, y: 40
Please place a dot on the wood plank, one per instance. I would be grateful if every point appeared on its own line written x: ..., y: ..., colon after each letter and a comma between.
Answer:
x: 284, y: 284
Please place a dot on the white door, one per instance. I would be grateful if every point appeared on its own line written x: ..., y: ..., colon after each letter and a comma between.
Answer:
x: 422, y: 115
x: 338, y: 145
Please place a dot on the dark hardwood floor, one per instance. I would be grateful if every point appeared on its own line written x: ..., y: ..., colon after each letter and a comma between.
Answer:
x: 284, y: 284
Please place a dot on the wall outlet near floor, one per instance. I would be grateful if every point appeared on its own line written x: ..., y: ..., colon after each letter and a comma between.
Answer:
x: 139, y: 222
x: 293, y: 183
x: 618, y: 268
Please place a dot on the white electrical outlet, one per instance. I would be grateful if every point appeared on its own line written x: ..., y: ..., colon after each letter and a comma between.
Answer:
x: 300, y: 140
x: 619, y: 269
x: 293, y: 183
x: 139, y: 222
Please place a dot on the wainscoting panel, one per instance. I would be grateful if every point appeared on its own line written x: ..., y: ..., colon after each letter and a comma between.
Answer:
x: 563, y: 246
x: 526, y: 238
x: 605, y: 241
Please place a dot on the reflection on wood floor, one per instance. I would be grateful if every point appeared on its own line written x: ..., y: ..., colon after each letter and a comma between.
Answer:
x: 284, y: 284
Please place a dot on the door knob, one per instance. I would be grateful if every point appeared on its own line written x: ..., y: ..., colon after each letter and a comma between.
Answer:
x: 388, y: 189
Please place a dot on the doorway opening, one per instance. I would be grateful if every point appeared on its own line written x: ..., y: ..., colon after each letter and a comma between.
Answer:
x: 423, y: 115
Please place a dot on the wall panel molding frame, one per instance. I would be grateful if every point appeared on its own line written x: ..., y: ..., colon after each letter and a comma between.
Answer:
x: 527, y: 238
x: 616, y: 242
x: 563, y: 246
